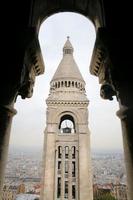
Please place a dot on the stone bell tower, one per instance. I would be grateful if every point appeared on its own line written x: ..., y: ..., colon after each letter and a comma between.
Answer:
x: 67, y: 163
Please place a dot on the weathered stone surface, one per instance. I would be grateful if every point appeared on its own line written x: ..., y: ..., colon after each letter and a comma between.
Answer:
x: 67, y: 101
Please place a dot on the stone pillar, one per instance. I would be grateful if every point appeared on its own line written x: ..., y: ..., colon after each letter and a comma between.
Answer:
x: 62, y: 173
x: 85, y: 187
x: 112, y: 65
x: 56, y: 173
x: 49, y: 174
x: 77, y: 175
x: 70, y: 175
x: 6, y: 114
x: 126, y: 115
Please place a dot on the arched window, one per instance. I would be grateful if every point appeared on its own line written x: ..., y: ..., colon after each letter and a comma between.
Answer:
x: 58, y: 187
x: 72, y: 83
x: 66, y: 152
x: 73, y: 169
x: 73, y: 152
x: 59, y: 151
x: 58, y: 84
x: 67, y: 124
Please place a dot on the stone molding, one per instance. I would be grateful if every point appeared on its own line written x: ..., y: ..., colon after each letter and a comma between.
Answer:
x: 68, y: 103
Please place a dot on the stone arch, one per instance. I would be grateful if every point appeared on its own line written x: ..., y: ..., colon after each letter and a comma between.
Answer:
x: 92, y: 10
x: 72, y: 114
x: 37, y: 11
x: 67, y: 129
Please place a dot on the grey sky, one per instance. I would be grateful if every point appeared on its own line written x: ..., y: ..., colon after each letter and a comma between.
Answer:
x: 29, y: 123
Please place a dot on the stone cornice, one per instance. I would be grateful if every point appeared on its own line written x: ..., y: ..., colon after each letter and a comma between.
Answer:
x: 99, y: 53
x: 33, y: 56
x: 68, y: 103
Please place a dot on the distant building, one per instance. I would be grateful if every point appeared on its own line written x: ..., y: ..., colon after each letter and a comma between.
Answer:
x: 37, y: 189
x: 21, y: 188
x: 27, y: 197
x: 9, y: 192
x: 100, y: 190
x: 120, y: 191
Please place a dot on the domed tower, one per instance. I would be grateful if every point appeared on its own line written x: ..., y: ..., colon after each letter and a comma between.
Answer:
x: 67, y: 163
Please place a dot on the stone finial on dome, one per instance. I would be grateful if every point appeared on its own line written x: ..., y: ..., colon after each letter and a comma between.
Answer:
x: 68, y: 48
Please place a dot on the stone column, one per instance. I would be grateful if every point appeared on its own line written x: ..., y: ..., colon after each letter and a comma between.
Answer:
x: 126, y: 116
x: 77, y: 175
x: 56, y: 173
x: 125, y: 98
x: 112, y: 65
x: 49, y: 173
x: 6, y: 114
x: 62, y: 173
x: 70, y: 175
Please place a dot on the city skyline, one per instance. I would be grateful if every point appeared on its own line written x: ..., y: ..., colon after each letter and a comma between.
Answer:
x: 29, y: 123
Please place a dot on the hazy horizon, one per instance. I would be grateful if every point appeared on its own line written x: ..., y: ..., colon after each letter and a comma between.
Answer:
x: 39, y: 149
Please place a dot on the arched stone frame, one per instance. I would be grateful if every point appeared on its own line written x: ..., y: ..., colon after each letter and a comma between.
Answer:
x: 108, y: 90
x: 38, y: 12
x: 67, y: 129
x: 61, y: 113
x: 93, y: 10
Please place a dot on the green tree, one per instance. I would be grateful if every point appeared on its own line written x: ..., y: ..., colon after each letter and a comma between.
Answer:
x: 106, y: 197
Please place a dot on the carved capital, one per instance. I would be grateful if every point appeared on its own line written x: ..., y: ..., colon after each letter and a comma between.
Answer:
x: 125, y: 113
x: 27, y: 82
x: 33, y: 66
x: 107, y: 91
x: 7, y: 110
x: 101, y: 65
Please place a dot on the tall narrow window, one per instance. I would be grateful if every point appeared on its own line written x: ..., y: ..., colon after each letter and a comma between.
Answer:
x: 59, y: 165
x: 59, y: 151
x: 72, y: 84
x: 73, y: 152
x: 66, y: 190
x: 66, y: 166
x: 73, y: 192
x: 59, y: 187
x: 66, y: 152
x: 73, y: 169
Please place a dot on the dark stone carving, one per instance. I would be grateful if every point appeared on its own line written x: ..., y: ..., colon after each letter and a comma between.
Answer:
x: 33, y: 66
x: 101, y: 65
x: 107, y: 91
x: 27, y: 82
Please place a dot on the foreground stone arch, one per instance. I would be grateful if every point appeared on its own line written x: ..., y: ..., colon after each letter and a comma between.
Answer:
x: 111, y: 60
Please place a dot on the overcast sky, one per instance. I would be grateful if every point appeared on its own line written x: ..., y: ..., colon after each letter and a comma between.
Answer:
x: 29, y: 123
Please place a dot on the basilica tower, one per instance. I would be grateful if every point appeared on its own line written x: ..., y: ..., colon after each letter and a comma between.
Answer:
x: 67, y: 163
